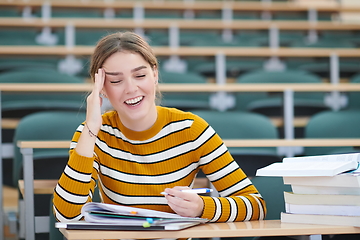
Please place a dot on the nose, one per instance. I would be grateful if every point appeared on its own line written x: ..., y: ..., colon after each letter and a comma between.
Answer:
x: 131, y: 85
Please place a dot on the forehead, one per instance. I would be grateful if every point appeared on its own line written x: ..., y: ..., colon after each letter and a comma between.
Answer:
x: 124, y: 61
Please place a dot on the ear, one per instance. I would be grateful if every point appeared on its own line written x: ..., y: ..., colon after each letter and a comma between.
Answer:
x: 103, y: 93
x: 156, y: 74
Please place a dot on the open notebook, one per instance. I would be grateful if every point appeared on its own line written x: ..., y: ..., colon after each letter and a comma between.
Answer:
x: 102, y: 216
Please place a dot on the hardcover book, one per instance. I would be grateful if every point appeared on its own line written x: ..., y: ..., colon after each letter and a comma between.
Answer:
x: 341, y: 210
x: 321, y: 199
x: 302, y: 189
x: 323, y: 165
x: 340, y: 180
x: 321, y: 219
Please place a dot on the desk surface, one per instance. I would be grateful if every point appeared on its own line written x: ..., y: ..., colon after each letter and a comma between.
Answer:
x: 196, y: 5
x: 62, y: 50
x: 180, y: 23
x: 305, y: 142
x: 209, y: 230
x: 180, y: 87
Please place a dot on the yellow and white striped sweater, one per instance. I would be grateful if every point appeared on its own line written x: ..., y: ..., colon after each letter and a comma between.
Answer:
x: 132, y: 168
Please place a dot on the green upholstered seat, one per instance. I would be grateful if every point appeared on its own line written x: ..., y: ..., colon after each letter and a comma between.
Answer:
x: 19, y: 104
x: 354, y: 97
x: 333, y: 124
x: 244, y: 125
x: 271, y: 104
x: 182, y: 100
x: 48, y: 163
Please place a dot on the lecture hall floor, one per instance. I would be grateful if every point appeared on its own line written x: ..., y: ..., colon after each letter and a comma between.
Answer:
x: 10, y: 201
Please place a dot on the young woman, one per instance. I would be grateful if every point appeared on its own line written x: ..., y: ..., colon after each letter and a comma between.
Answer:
x: 139, y: 149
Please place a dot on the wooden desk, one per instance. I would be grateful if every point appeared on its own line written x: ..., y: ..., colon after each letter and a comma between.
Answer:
x: 26, y: 148
x: 43, y: 186
x: 201, y: 24
x: 210, y: 230
x: 179, y: 87
x: 305, y: 142
x: 196, y: 5
x: 189, y: 51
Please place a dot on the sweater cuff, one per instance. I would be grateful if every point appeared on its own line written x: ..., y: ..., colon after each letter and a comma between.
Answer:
x: 209, y: 207
x: 77, y: 161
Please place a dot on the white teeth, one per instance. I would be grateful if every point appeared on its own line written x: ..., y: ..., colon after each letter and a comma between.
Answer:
x: 134, y: 101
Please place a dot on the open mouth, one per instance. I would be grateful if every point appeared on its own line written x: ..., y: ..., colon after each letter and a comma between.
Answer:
x: 134, y: 101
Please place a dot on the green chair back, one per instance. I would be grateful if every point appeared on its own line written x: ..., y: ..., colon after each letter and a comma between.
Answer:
x: 325, y: 43
x: 331, y: 124
x: 272, y: 190
x: 18, y: 36
x: 234, y: 67
x: 45, y: 126
x: 48, y: 163
x: 182, y: 100
x: 244, y: 125
x: 16, y: 103
x: 76, y: 13
x: 347, y: 68
x: 272, y: 103
x: 354, y: 97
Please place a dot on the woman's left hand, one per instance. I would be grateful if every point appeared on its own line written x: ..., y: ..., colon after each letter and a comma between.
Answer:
x: 183, y: 203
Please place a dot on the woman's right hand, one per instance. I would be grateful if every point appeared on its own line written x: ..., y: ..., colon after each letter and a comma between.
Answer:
x: 86, y: 143
x: 94, y: 102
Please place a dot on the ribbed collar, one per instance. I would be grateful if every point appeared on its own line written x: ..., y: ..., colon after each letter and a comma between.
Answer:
x: 149, y: 133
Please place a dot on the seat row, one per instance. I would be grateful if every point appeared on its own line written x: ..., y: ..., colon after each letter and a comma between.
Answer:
x: 250, y: 158
x: 266, y: 102
x: 229, y: 125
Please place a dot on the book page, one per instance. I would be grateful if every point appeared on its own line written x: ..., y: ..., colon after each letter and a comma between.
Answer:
x: 117, y: 214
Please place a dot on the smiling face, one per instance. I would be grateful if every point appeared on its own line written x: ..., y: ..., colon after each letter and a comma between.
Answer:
x: 130, y: 85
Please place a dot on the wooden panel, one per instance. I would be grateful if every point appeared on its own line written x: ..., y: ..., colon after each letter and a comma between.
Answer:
x: 180, y: 23
x: 183, y: 5
x: 44, y: 186
x: 189, y: 51
x: 210, y: 230
x: 320, y: 142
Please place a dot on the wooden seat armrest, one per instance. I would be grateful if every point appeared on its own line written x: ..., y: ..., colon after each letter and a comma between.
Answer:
x: 45, y: 186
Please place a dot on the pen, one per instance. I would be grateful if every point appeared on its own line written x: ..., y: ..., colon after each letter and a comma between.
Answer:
x: 194, y: 190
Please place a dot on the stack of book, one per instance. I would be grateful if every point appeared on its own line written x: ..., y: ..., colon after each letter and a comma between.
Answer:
x: 325, y: 189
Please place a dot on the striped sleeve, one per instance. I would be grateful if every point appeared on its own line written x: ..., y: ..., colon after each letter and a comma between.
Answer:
x: 75, y: 186
x: 238, y: 198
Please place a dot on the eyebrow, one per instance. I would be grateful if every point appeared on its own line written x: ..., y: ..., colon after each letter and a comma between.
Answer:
x: 120, y: 73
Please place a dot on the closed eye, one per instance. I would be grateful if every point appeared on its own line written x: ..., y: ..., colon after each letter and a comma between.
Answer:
x: 115, y: 81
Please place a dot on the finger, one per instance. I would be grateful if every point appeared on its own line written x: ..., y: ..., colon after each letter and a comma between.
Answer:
x: 175, y: 189
x: 177, y: 192
x: 99, y: 81
x: 179, y: 188
x: 177, y: 204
